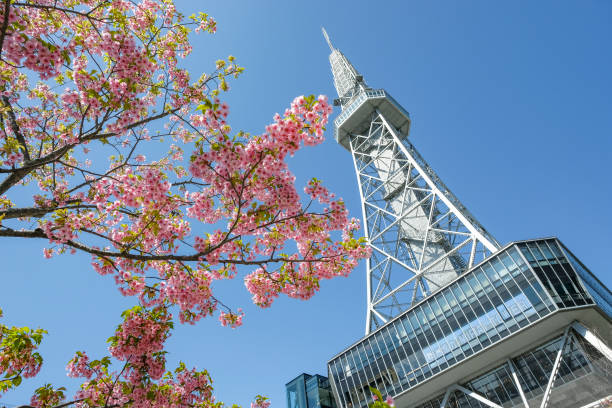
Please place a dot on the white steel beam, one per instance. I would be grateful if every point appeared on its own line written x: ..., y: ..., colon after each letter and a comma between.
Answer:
x: 469, y: 393
x: 574, y: 339
x: 365, y: 229
x: 472, y: 254
x: 477, y: 397
x: 408, y: 219
x: 485, y: 241
x: 555, y: 369
x: 447, y: 395
x: 517, y: 383
x: 593, y: 339
x: 379, y: 315
x: 420, y: 273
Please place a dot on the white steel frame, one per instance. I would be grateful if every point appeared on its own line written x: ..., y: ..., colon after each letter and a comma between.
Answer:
x: 469, y: 393
x: 421, y: 236
x: 578, y: 328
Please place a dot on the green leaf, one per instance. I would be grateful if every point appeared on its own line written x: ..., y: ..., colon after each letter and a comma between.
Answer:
x: 376, y: 392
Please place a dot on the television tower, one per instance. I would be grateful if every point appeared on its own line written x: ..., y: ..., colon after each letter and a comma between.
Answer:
x: 454, y: 320
x: 421, y: 235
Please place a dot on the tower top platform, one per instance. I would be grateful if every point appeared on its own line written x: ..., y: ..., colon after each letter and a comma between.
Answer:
x: 358, y: 101
x: 355, y: 116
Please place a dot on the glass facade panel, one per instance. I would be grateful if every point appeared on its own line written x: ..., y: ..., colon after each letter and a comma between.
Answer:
x: 296, y: 392
x: 309, y: 391
x: 600, y: 294
x: 312, y: 393
x: 326, y: 396
x: 478, y: 309
x: 556, y: 273
x: 533, y: 370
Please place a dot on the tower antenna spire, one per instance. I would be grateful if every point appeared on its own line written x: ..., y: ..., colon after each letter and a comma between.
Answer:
x: 331, y: 47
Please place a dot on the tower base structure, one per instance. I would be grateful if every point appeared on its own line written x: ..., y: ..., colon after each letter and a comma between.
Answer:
x: 530, y: 326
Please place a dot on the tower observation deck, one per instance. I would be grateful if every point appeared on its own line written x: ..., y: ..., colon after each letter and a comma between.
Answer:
x: 454, y: 320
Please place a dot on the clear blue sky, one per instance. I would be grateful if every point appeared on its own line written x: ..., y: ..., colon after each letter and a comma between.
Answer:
x: 510, y: 102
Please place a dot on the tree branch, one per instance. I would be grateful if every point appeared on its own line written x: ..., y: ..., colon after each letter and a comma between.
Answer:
x: 38, y: 212
x: 19, y: 174
x: 39, y: 233
x: 15, y: 127
x: 63, y: 10
x: 7, y: 7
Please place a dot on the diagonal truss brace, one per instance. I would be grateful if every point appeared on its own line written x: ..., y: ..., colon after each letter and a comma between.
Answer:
x: 568, y: 334
x: 490, y: 245
x: 469, y: 393
x: 593, y: 339
x: 422, y: 235
x: 517, y: 383
x: 555, y: 369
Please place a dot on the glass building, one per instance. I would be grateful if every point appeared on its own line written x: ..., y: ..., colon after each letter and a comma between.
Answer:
x: 309, y: 391
x: 524, y: 294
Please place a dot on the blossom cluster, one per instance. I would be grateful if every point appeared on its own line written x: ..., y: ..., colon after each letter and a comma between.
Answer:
x: 135, y: 342
x: 139, y: 341
x: 231, y: 319
x: 138, y: 344
x: 260, y: 402
x: 19, y: 357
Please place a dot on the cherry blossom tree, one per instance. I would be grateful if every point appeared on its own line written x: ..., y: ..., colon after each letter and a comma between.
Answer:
x: 86, y: 86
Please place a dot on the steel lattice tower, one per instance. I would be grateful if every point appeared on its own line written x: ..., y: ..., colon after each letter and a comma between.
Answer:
x: 421, y: 235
